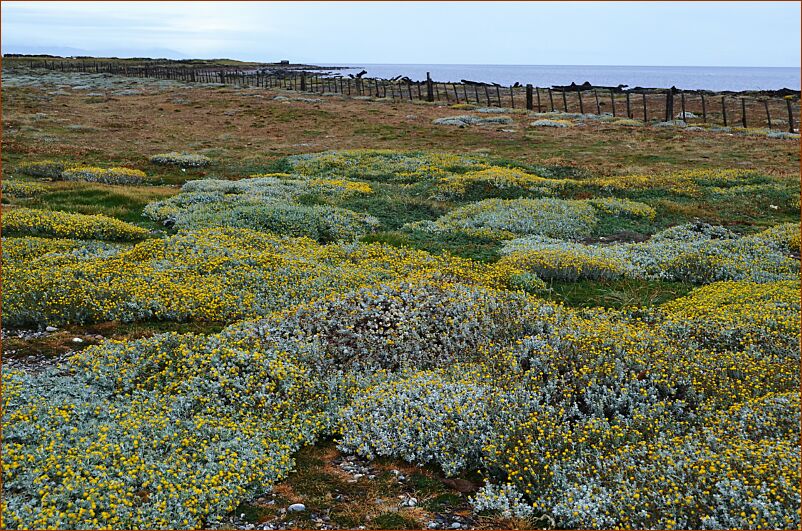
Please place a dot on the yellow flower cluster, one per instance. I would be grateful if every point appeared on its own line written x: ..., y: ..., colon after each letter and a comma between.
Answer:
x: 26, y: 221
x: 340, y: 186
x: 563, y: 264
x: 42, y: 168
x: 159, y: 433
x: 494, y: 179
x: 214, y: 275
x: 22, y: 188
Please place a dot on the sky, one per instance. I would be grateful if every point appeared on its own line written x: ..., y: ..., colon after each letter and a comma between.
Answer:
x: 353, y: 33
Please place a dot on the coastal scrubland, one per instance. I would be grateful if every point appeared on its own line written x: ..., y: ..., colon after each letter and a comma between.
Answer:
x: 229, y: 307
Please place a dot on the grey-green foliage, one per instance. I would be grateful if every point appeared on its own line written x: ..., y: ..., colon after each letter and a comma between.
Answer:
x: 262, y: 203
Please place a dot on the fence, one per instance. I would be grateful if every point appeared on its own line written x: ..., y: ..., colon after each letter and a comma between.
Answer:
x: 644, y: 104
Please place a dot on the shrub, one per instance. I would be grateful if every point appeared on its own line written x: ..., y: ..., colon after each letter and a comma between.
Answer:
x: 383, y: 165
x: 558, y: 264
x: 555, y: 218
x: 26, y: 221
x: 494, y: 180
x: 184, y: 160
x: 785, y: 236
x: 21, y: 189
x: 266, y: 204
x: 427, y: 419
x: 504, y: 500
x: 739, y: 315
x: 552, y: 123
x: 321, y: 223
x: 213, y: 275
x: 408, y: 325
x: 466, y: 119
x: 698, y: 253
x: 163, y: 432
x: 623, y: 207
x: 94, y: 174
x: 42, y: 168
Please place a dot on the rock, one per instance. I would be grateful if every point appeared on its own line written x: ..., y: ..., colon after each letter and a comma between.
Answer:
x: 432, y: 525
x: 456, y: 525
x: 412, y: 502
x: 359, y: 476
x: 77, y: 340
x: 51, y: 329
x: 296, y: 507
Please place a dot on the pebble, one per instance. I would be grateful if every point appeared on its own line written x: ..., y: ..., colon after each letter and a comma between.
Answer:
x: 77, y: 340
x: 51, y: 329
x: 456, y: 525
x: 296, y: 507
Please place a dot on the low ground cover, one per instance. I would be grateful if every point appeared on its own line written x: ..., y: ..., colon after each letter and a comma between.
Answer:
x: 610, y: 344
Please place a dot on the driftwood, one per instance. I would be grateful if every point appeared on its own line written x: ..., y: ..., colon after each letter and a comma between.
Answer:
x: 573, y: 87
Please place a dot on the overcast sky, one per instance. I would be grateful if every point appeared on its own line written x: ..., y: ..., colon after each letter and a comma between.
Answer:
x: 536, y: 33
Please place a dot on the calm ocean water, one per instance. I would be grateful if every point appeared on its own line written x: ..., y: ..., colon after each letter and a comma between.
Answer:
x: 684, y: 77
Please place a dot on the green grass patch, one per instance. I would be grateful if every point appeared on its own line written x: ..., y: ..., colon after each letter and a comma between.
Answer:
x: 616, y: 293
x: 122, y: 202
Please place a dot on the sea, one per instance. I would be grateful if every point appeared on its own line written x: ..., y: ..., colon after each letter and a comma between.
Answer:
x: 717, y: 78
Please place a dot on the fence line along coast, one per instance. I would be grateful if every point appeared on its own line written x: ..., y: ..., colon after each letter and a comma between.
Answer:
x: 776, y: 109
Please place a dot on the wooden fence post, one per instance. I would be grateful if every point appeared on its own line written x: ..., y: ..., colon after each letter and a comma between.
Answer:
x: 629, y: 107
x: 512, y: 98
x: 768, y: 114
x: 598, y: 105
x: 612, y: 101
x: 303, y: 82
x: 704, y: 109
x: 581, y: 106
x: 645, y: 112
x: 528, y: 97
x: 565, y: 102
x: 429, y: 88
x: 551, y: 100
x: 498, y: 95
x: 724, y: 110
x: 669, y: 106
x: 537, y: 91
x: 790, y: 116
x: 682, y: 102
x: 743, y: 112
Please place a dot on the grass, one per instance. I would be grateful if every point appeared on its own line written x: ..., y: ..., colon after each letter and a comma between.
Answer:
x: 123, y: 202
x: 616, y: 293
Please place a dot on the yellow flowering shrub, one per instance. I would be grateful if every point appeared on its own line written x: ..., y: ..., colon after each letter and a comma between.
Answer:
x: 494, y: 179
x: 26, y: 221
x: 558, y: 264
x: 42, y: 168
x: 215, y: 275
x: 21, y: 188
